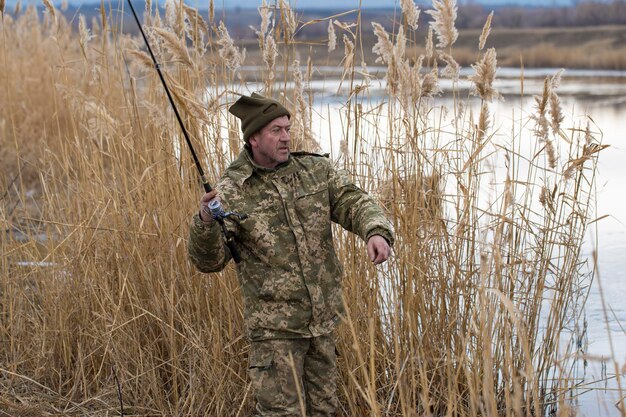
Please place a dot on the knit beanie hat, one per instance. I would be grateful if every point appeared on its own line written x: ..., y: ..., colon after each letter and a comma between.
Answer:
x: 255, y: 112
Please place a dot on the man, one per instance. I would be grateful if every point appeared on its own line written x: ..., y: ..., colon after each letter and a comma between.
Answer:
x: 289, y: 272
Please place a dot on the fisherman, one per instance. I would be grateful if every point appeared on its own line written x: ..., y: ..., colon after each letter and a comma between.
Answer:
x: 289, y: 272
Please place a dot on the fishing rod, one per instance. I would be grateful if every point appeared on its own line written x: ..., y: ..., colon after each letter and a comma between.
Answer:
x: 215, y: 207
x: 157, y: 66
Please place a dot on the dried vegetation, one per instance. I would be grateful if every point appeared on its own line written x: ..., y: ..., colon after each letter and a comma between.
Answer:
x: 101, y: 312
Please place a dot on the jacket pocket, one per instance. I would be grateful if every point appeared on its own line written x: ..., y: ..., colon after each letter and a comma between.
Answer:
x: 315, y: 191
x: 261, y: 358
x: 261, y: 366
x: 313, y: 209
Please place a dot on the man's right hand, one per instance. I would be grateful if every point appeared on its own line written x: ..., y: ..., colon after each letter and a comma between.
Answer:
x: 205, y: 214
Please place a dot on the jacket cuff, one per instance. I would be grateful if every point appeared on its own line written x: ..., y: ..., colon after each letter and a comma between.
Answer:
x: 201, y: 226
x: 381, y: 231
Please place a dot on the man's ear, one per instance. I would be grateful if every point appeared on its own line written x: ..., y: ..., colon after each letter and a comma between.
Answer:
x: 252, y: 141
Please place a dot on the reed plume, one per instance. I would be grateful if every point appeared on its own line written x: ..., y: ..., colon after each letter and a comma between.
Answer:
x: 302, y: 120
x: 148, y: 11
x: 545, y: 198
x: 85, y: 35
x: 542, y: 125
x: 556, y: 113
x: 429, y: 86
x: 392, y: 55
x: 413, y: 81
x: 430, y: 47
x: 270, y: 52
x: 399, y: 49
x: 452, y: 68
x: 383, y: 46
x: 142, y: 58
x: 300, y: 103
x: 485, y: 32
x: 289, y: 20
x: 199, y: 26
x: 484, y: 76
x: 174, y: 45
x: 444, y: 15
x: 411, y: 13
x: 348, y: 56
x: 265, y: 13
x: 332, y: 36
x: 156, y: 20
x: 50, y: 8
x: 173, y: 16
x: 233, y: 58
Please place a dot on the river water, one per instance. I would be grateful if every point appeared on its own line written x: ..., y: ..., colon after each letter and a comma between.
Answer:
x: 606, y: 305
x: 600, y: 95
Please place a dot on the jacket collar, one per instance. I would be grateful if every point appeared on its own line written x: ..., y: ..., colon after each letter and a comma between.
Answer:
x: 243, y: 167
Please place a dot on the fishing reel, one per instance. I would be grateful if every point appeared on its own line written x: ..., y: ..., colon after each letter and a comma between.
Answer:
x: 217, y: 211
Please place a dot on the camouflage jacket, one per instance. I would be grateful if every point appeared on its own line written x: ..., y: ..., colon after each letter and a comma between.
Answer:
x: 289, y: 272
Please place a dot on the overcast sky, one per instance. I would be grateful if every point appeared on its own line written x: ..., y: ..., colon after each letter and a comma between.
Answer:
x: 348, y: 4
x: 300, y: 4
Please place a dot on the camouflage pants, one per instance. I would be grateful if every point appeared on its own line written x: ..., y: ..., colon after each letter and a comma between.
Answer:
x: 279, y: 368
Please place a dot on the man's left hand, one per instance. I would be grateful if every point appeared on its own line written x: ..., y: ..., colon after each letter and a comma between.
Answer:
x: 378, y: 249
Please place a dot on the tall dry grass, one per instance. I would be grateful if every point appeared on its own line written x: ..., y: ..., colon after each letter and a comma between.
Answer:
x: 101, y: 312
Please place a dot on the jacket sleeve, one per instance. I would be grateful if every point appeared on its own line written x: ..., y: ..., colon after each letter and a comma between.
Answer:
x: 207, y: 248
x: 355, y: 210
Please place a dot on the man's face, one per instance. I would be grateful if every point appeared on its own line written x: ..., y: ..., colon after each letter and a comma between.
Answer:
x: 270, y: 145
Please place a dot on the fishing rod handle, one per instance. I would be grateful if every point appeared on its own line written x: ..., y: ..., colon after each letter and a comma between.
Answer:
x: 232, y: 247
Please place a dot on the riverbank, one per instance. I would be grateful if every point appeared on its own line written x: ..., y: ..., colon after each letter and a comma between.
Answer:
x: 594, y: 47
x: 598, y: 47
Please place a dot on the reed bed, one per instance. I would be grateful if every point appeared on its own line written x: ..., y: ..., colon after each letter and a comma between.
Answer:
x: 100, y: 311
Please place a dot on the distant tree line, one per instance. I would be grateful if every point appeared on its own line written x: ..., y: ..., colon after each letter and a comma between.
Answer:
x: 583, y: 13
x: 470, y: 15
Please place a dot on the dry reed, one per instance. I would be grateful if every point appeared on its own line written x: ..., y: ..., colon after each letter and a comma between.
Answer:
x: 444, y: 18
x: 332, y: 36
x: 484, y: 76
x: 411, y: 13
x: 85, y: 35
x: 485, y: 32
x: 232, y: 56
x: 97, y: 294
x: 430, y: 48
x: 452, y: 68
x: 174, y: 45
x: 50, y: 8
